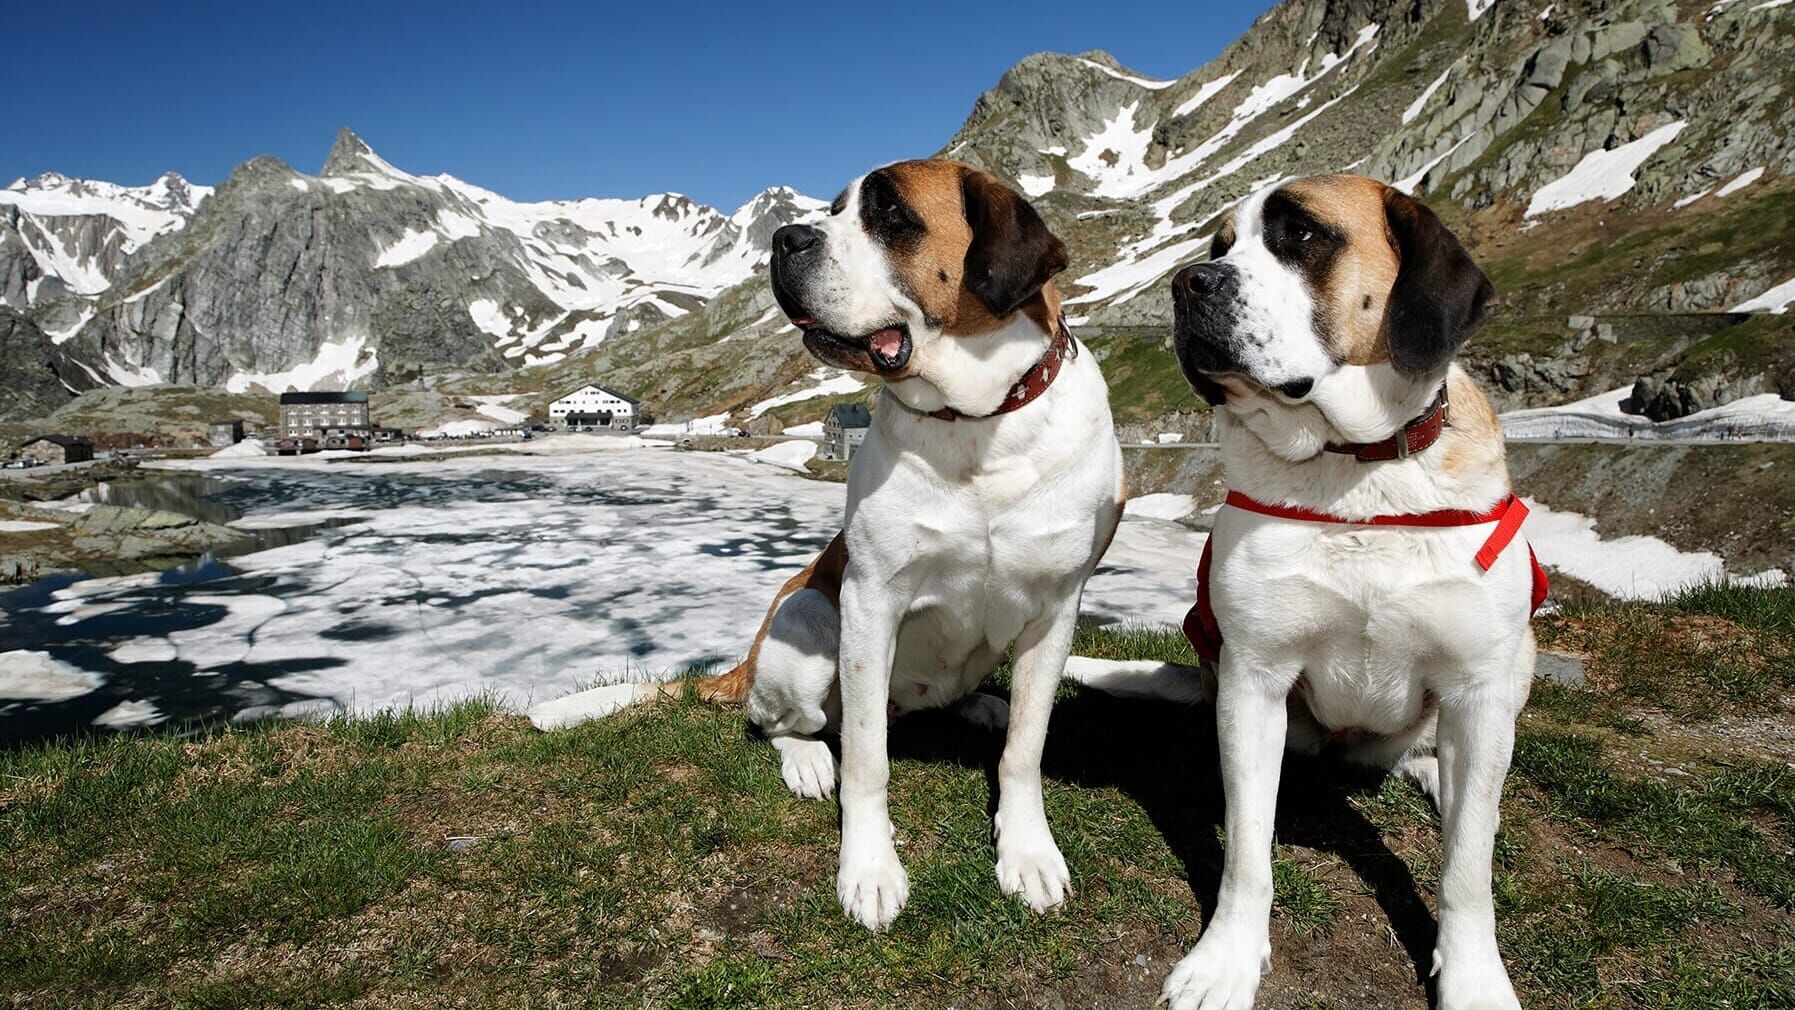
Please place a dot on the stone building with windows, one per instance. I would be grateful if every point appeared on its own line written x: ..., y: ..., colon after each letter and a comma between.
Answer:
x: 844, y: 429
x: 310, y: 415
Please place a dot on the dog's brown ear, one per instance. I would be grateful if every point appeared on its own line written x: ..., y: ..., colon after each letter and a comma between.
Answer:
x: 1012, y: 252
x: 1441, y: 297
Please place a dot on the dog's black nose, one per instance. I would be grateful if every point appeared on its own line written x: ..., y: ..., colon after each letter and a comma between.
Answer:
x: 1296, y: 389
x: 795, y: 238
x: 1199, y: 281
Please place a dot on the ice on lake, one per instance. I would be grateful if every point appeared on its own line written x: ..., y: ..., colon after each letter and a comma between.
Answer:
x: 522, y: 578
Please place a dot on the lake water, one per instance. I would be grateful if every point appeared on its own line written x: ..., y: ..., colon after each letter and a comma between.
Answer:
x: 384, y: 584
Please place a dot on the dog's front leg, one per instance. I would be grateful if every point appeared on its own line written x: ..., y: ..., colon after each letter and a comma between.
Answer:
x: 1476, y: 739
x: 1223, y: 969
x: 871, y: 882
x: 1029, y: 863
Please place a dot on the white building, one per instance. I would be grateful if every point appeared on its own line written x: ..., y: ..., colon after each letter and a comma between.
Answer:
x: 594, y: 406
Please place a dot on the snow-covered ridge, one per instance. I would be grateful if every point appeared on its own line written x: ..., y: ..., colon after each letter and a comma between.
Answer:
x: 142, y: 212
x: 77, y: 231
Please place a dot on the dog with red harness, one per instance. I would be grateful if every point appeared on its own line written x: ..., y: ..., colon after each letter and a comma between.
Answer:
x: 1366, y: 584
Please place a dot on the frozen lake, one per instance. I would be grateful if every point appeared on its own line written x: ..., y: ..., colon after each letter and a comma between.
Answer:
x: 523, y: 577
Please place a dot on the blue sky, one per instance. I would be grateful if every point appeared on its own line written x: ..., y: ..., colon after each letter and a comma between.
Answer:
x: 549, y: 101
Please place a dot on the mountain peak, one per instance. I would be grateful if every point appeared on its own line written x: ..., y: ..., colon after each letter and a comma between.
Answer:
x: 350, y: 154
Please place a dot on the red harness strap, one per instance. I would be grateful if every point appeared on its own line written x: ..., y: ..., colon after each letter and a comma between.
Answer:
x: 1206, y: 635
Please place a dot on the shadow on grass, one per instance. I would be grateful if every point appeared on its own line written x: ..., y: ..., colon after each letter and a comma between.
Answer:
x: 1164, y: 757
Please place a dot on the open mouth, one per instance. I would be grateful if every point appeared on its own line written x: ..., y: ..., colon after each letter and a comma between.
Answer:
x: 887, y: 348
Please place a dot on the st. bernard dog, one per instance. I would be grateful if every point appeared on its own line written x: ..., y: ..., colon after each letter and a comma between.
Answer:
x: 986, y: 490
x: 1363, y: 585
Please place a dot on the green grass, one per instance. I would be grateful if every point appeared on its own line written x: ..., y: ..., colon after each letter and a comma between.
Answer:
x: 656, y: 860
x: 1708, y: 652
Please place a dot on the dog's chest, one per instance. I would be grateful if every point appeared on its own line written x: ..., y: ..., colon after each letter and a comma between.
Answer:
x: 1375, y: 617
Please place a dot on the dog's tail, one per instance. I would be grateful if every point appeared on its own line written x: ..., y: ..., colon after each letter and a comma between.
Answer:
x: 728, y: 688
x: 1143, y: 678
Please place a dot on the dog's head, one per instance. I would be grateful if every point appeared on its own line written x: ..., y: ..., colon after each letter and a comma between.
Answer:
x: 912, y: 253
x: 1319, y: 273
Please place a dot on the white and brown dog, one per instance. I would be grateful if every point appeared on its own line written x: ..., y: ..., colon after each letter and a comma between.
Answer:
x: 987, y: 488
x: 1357, y: 585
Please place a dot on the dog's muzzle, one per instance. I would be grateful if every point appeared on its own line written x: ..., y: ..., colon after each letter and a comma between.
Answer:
x: 1204, y: 300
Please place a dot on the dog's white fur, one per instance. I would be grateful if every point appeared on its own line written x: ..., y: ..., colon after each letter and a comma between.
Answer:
x: 962, y: 538
x: 1389, y: 630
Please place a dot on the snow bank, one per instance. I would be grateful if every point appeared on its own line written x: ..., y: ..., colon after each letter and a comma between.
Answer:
x: 245, y: 449
x: 791, y: 455
x: 1602, y: 175
x: 1762, y: 418
x: 809, y: 429
x: 1159, y: 506
x: 1634, y: 567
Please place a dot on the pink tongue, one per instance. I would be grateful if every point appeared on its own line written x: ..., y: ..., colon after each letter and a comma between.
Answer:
x: 887, y: 343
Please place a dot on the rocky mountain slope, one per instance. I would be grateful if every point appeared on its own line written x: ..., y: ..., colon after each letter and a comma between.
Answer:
x: 1621, y: 167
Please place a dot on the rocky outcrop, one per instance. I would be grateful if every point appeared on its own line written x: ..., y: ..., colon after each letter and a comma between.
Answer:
x: 29, y: 385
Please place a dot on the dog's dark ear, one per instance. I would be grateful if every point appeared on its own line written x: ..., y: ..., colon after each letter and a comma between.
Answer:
x: 1012, y: 252
x: 1441, y: 297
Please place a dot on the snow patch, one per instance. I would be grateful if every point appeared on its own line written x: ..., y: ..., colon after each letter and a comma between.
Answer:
x: 24, y: 526
x: 1602, y: 175
x: 1159, y: 506
x: 1776, y: 300
x: 409, y: 247
x: 1743, y: 180
x: 1415, y: 107
x: 833, y: 385
x: 1144, y: 82
x: 790, y: 455
x: 1035, y: 185
x: 1765, y: 417
x: 1630, y: 567
x: 1203, y: 94
x: 341, y: 364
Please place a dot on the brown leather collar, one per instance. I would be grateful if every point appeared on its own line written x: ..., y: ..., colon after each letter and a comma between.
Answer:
x: 1033, y: 382
x: 1411, y: 438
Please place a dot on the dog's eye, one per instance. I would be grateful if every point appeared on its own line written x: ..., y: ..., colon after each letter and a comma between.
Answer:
x: 1303, y: 235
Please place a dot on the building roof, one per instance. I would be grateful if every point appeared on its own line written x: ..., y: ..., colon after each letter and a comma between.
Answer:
x: 63, y: 440
x: 347, y: 396
x: 632, y: 401
x: 851, y: 415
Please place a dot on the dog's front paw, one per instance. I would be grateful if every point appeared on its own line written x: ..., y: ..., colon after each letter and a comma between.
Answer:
x: 1029, y: 866
x: 1220, y: 973
x: 807, y: 767
x: 1474, y: 981
x: 872, y: 885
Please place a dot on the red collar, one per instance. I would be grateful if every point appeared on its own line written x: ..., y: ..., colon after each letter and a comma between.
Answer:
x: 1411, y: 438
x: 1508, y: 514
x: 1033, y: 382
